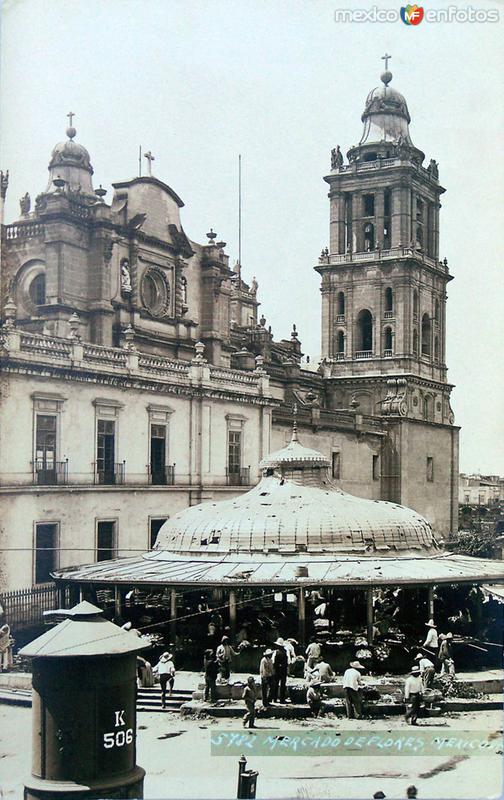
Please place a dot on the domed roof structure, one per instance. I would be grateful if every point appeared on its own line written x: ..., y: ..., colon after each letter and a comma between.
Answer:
x: 70, y: 161
x: 295, y: 526
x: 296, y: 508
x: 386, y: 116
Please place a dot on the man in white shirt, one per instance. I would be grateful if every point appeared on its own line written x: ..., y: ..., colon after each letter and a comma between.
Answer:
x: 165, y: 668
x: 352, y: 682
x: 413, y: 689
x: 427, y: 670
x: 313, y: 652
x: 431, y: 640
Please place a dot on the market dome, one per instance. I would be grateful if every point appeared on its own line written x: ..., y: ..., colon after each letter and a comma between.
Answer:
x: 297, y: 509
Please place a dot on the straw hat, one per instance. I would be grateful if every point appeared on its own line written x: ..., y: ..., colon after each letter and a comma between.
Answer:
x: 166, y: 656
x: 431, y: 624
x: 268, y: 652
x: 418, y: 655
x: 415, y: 670
x: 280, y: 642
x: 356, y: 665
x: 441, y: 636
x: 449, y: 635
x: 224, y: 639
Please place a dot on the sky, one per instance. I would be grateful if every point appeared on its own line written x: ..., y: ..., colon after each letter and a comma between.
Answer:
x: 281, y: 83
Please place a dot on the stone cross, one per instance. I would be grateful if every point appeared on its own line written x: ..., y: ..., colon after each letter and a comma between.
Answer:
x: 70, y: 116
x: 386, y: 58
x: 150, y: 158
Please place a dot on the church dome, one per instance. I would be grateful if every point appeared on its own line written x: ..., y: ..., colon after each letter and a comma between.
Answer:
x: 296, y: 508
x: 70, y: 161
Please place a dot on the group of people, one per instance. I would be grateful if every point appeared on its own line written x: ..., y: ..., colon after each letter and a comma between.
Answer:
x: 421, y: 677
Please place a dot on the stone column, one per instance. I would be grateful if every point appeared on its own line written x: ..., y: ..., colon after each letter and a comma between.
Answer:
x: 173, y: 615
x: 302, y: 616
x: 379, y: 217
x: 357, y: 233
x: 369, y: 614
x: 232, y: 611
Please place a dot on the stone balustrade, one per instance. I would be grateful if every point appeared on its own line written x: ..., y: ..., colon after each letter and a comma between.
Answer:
x: 23, y: 230
x: 27, y: 346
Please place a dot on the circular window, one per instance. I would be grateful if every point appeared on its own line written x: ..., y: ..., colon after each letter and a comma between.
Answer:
x: 37, y: 290
x: 155, y: 293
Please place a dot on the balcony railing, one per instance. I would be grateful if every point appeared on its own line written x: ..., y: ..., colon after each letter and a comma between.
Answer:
x: 47, y: 474
x: 239, y: 477
x: 387, y: 353
x: 340, y: 318
x: 110, y: 474
x: 362, y: 354
x: 161, y: 476
x: 388, y: 315
x: 339, y: 356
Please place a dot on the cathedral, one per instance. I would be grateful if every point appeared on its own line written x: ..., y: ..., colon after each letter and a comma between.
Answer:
x: 137, y: 378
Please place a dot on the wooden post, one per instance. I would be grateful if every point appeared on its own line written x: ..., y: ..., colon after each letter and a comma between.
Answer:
x: 117, y: 603
x: 430, y: 602
x: 232, y: 611
x: 173, y: 616
x: 302, y: 616
x: 369, y: 614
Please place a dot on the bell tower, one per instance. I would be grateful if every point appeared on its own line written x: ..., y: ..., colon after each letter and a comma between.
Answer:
x: 383, y: 285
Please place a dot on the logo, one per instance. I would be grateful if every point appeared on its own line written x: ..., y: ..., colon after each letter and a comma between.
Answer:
x: 412, y: 15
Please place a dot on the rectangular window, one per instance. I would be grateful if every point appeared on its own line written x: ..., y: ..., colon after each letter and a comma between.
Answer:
x: 368, y: 205
x: 376, y: 467
x: 105, y: 451
x: 105, y: 540
x: 155, y: 524
x: 45, y: 449
x: 46, y: 544
x: 158, y: 455
x: 336, y: 465
x: 430, y: 469
x: 234, y: 457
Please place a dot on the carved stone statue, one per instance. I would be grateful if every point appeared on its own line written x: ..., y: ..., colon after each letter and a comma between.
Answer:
x: 336, y: 157
x: 254, y: 286
x: 433, y: 168
x: 25, y: 204
x: 125, y: 277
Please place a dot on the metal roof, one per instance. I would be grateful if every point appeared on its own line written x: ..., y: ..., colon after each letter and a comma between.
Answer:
x: 170, y: 569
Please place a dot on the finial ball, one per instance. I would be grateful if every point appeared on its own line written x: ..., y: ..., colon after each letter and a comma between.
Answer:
x: 386, y: 77
x: 71, y: 132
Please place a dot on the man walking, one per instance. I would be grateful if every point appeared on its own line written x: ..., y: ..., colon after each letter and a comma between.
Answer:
x: 413, y: 693
x: 352, y: 682
x: 445, y: 654
x: 211, y: 672
x: 250, y: 697
x: 165, y: 668
x: 431, y: 639
x: 280, y: 667
x: 266, y: 675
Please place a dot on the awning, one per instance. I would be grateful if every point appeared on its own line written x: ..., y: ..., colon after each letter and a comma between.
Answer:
x: 162, y: 568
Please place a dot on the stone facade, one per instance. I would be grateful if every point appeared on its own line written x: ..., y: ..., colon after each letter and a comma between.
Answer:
x: 137, y: 378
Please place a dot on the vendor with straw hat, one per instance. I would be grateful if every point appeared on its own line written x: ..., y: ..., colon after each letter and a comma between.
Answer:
x: 431, y: 643
x: 352, y: 682
x: 413, y: 690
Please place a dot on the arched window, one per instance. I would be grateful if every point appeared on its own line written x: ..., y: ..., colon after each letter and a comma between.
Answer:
x: 415, y: 302
x: 37, y: 290
x: 436, y: 349
x: 427, y: 407
x: 369, y: 237
x: 426, y: 335
x: 419, y: 237
x: 341, y: 303
x: 436, y: 310
x: 341, y: 342
x: 415, y: 342
x: 387, y: 341
x: 389, y: 299
x: 365, y: 331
